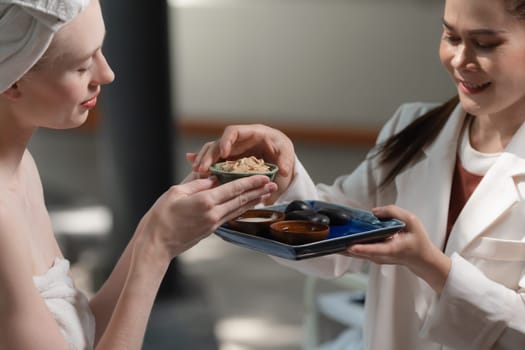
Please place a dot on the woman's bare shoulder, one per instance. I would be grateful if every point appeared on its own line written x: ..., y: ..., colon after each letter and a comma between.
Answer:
x: 29, y: 165
x: 22, y: 307
x: 26, y: 173
x: 17, y: 290
x: 17, y: 210
x: 15, y: 254
x: 13, y: 240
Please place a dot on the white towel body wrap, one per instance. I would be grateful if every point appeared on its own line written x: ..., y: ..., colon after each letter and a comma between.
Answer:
x: 69, y: 306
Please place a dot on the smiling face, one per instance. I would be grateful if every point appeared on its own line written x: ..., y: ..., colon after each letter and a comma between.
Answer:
x: 61, y: 89
x: 483, y: 49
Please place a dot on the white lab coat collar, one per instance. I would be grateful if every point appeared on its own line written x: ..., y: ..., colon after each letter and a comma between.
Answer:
x: 429, y: 200
x: 500, y: 188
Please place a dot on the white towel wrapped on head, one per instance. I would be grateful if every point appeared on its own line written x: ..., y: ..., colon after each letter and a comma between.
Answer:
x: 26, y: 30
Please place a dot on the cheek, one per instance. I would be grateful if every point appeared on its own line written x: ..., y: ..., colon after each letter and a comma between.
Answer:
x: 66, y: 93
x: 515, y: 63
x: 55, y: 104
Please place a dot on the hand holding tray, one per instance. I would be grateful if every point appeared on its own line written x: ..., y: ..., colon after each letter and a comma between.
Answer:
x: 363, y: 227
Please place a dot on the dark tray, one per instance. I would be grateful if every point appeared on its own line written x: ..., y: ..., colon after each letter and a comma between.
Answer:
x: 364, y: 227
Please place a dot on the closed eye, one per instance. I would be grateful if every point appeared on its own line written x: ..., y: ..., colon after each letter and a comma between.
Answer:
x: 453, y: 39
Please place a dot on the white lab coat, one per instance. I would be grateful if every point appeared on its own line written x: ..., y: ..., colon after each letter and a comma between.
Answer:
x: 482, y: 305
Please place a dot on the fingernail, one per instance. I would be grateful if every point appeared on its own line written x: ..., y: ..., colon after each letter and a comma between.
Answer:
x: 270, y: 187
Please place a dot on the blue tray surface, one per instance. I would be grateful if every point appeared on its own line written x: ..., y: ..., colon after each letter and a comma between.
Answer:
x: 362, y: 228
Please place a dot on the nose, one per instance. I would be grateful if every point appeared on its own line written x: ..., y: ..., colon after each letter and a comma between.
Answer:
x: 464, y: 58
x: 103, y: 74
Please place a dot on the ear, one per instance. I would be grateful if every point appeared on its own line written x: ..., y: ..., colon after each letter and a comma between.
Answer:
x: 12, y: 93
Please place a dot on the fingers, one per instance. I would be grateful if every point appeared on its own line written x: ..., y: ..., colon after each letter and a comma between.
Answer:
x: 382, y: 252
x: 195, y: 175
x: 261, y: 141
x: 232, y: 135
x: 247, y: 140
x: 285, y: 154
x: 374, y: 251
x: 393, y: 211
x: 406, y: 247
x: 197, y: 185
x: 221, y: 148
x: 231, y: 198
x: 245, y: 189
x: 211, y: 152
x: 188, y: 212
x: 208, y: 154
x: 190, y: 157
x: 286, y: 165
x: 237, y: 196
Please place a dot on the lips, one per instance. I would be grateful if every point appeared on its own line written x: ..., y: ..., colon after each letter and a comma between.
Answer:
x: 473, y: 88
x: 92, y: 102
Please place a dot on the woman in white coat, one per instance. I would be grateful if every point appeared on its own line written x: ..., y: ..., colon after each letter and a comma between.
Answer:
x: 455, y: 173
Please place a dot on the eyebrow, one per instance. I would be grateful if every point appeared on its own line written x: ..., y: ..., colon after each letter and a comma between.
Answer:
x: 87, y: 56
x: 90, y: 54
x: 480, y: 31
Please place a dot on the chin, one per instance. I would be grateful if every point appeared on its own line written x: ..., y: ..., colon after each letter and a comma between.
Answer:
x: 73, y: 122
x: 469, y: 105
x: 79, y: 119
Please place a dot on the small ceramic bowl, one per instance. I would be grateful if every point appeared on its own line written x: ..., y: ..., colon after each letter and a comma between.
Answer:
x: 226, y: 176
x: 256, y: 221
x: 297, y: 232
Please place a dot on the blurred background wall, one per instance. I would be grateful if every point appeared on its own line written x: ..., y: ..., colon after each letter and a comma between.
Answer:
x: 350, y: 62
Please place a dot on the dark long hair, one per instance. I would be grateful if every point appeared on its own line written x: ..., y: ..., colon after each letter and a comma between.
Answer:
x: 404, y: 147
